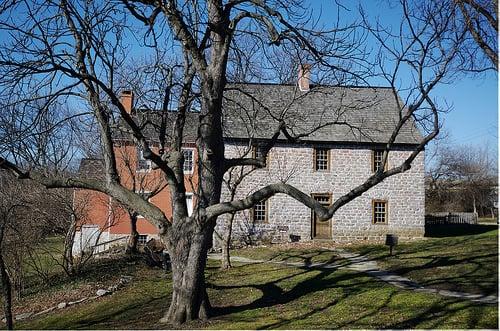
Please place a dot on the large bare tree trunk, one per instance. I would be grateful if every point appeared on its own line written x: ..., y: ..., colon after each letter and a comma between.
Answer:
x: 7, y: 294
x: 188, y: 254
x: 134, y: 235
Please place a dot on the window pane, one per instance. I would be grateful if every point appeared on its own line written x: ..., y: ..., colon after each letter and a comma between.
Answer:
x: 259, y: 212
x: 321, y: 159
x: 142, y: 239
x: 379, y: 212
x: 259, y: 152
x: 188, y: 160
x: 377, y: 159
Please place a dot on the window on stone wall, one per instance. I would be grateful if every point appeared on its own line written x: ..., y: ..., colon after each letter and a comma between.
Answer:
x: 379, y: 211
x: 321, y: 159
x: 258, y: 152
x: 377, y: 156
x: 259, y: 212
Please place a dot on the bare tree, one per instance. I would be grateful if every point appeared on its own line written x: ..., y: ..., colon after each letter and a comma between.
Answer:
x: 5, y: 214
x: 480, y: 19
x: 71, y: 51
x: 233, y: 179
x: 25, y: 220
x: 463, y: 178
x: 477, y: 20
x: 143, y: 183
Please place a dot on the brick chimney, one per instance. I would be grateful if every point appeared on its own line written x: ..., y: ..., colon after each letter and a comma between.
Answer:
x: 304, y: 77
x: 127, y: 100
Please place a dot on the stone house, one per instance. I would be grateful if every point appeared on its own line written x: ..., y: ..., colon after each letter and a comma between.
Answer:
x: 335, y: 141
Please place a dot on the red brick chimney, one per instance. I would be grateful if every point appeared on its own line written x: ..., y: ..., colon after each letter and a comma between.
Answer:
x: 127, y: 100
x: 304, y: 77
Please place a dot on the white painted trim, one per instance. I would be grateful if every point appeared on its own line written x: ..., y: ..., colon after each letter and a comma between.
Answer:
x: 190, y: 210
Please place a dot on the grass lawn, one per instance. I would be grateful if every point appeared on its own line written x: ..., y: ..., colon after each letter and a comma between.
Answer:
x: 288, y: 253
x: 454, y: 257
x: 262, y: 296
x: 488, y: 220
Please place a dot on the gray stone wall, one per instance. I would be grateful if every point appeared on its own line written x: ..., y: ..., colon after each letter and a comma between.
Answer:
x: 349, y: 167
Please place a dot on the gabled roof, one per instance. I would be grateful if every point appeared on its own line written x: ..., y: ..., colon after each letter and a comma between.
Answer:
x: 323, y: 114
x: 360, y: 114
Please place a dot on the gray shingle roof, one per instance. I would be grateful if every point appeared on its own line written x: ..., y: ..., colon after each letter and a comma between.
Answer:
x: 359, y: 114
x: 324, y: 114
x: 150, y: 122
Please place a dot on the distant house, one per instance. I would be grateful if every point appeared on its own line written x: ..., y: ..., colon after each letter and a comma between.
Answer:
x: 342, y: 132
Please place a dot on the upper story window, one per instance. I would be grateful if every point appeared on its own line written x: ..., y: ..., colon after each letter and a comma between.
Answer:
x: 142, y: 163
x: 258, y: 152
x: 259, y: 212
x: 379, y: 211
x: 377, y: 158
x: 321, y: 159
x: 188, y: 160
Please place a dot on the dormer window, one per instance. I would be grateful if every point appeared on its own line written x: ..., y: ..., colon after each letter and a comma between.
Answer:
x: 188, y: 166
x: 142, y: 163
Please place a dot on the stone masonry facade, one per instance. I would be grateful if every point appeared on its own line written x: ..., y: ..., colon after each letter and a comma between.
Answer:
x: 349, y: 166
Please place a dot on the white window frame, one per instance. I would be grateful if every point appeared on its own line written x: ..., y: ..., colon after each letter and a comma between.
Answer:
x: 188, y: 172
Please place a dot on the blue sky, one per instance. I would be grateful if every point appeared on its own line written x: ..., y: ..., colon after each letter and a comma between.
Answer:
x: 473, y: 120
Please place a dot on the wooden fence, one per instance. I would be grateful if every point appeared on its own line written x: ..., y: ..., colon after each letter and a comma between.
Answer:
x: 450, y: 218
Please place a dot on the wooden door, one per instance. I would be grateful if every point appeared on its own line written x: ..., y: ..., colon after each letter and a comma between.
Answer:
x: 321, y: 230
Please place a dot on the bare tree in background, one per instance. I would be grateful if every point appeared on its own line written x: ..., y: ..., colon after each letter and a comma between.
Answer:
x: 6, y: 210
x: 70, y: 51
x: 29, y: 213
x: 233, y: 179
x: 463, y: 178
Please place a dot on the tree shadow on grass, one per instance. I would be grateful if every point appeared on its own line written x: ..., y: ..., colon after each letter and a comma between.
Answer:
x: 132, y: 312
x: 455, y: 230
x: 274, y: 294
x: 462, y: 264
x: 306, y: 258
x: 437, y: 313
